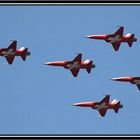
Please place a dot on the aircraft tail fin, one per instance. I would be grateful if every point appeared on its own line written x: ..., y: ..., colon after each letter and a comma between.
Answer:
x: 89, y: 65
x: 130, y: 41
x: 23, y: 56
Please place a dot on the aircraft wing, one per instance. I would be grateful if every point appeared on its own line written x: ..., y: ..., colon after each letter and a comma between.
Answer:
x: 138, y: 87
x: 116, y: 45
x: 105, y: 99
x: 78, y: 58
x: 74, y: 72
x: 10, y: 58
x: 13, y: 45
x: 102, y: 111
x: 119, y: 32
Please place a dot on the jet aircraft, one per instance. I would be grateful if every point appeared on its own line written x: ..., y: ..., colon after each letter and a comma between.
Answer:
x: 10, y: 52
x: 103, y: 105
x: 133, y: 80
x: 116, y: 39
x: 75, y: 65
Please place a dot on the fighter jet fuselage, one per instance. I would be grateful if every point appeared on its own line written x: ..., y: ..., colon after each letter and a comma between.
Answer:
x: 116, y: 39
x: 102, y: 106
x: 10, y: 52
x: 132, y: 80
x: 74, y: 65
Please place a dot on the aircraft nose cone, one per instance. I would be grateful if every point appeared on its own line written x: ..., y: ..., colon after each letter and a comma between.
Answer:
x: 117, y: 79
x: 125, y: 79
x: 89, y: 36
x: 114, y: 79
x: 75, y: 104
x: 47, y: 63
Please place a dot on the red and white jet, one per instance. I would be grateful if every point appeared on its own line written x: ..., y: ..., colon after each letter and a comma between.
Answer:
x: 116, y: 39
x: 75, y: 65
x: 103, y: 105
x: 10, y: 52
x: 133, y: 80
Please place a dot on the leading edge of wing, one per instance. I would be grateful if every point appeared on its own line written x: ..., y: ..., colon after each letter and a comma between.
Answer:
x: 13, y: 45
x: 105, y: 99
x: 119, y: 31
x: 78, y: 58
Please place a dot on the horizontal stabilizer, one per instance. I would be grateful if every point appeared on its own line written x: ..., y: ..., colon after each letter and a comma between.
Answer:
x: 130, y: 41
x: 89, y: 66
x: 23, y: 56
x: 116, y: 108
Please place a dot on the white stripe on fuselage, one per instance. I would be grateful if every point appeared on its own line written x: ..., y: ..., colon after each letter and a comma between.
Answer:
x: 9, y: 52
x: 74, y: 65
x: 114, y: 39
x: 103, y: 105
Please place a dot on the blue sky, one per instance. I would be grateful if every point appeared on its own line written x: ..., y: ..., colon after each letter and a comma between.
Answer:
x: 37, y: 99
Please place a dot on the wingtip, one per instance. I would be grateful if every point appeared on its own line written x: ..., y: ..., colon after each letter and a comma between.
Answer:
x: 14, y: 41
x: 106, y: 95
x: 78, y: 53
x: 120, y: 26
